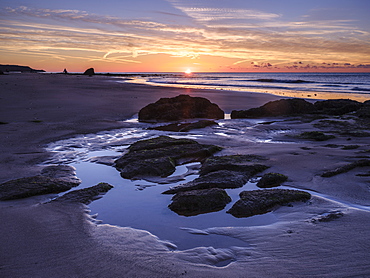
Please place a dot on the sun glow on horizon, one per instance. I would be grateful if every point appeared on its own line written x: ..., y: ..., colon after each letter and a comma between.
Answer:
x: 188, y: 71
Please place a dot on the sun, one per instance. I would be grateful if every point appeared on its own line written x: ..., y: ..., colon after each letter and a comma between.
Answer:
x: 188, y: 71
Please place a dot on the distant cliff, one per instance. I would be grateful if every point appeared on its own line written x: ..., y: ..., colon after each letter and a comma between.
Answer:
x: 7, y: 68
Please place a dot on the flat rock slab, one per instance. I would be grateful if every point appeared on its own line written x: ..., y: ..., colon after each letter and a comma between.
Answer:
x: 64, y: 172
x: 196, y: 202
x: 184, y: 127
x: 247, y: 164
x: 32, y: 186
x: 179, y: 108
x: 159, y: 156
x: 85, y: 195
x: 262, y: 201
x: 218, y: 179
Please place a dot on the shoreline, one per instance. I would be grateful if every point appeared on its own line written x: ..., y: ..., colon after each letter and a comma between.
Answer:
x: 60, y: 240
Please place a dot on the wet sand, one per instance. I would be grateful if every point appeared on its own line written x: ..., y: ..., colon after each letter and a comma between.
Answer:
x: 59, y: 240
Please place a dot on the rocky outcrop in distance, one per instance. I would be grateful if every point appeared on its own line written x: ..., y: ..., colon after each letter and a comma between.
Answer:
x: 180, y: 108
x: 10, y: 68
x: 89, y: 72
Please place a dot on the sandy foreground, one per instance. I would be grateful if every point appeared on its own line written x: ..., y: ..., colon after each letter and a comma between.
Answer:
x: 59, y: 240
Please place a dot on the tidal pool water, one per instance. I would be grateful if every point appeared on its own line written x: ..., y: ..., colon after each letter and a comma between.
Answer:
x: 140, y: 204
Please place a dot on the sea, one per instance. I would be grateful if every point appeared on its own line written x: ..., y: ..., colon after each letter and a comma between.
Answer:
x: 354, y: 86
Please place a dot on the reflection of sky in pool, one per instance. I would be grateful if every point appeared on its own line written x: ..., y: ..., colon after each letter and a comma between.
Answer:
x: 139, y: 204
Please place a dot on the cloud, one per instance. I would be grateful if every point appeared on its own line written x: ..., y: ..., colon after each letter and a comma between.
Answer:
x: 229, y: 33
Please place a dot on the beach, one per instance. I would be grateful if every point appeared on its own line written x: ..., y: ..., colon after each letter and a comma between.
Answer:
x: 61, y: 240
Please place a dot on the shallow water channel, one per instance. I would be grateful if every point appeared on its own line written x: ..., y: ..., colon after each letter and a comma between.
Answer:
x: 138, y: 203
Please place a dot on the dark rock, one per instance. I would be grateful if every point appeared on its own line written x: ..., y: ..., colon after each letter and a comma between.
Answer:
x: 363, y: 112
x: 179, y: 108
x: 1, y: 72
x: 196, y: 202
x: 64, y: 172
x: 160, y: 155
x: 9, y: 68
x: 184, y: 127
x: 346, y: 168
x: 162, y: 167
x: 31, y: 186
x: 337, y: 106
x: 282, y: 107
x: 89, y: 72
x: 316, y: 135
x: 271, y: 180
x: 218, y: 179
x: 85, y: 195
x: 263, y: 201
x: 241, y: 163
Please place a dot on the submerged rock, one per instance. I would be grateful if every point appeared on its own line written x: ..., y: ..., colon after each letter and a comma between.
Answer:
x: 32, y: 186
x: 159, y: 156
x: 316, y: 135
x: 85, y: 195
x: 196, y: 202
x: 282, y: 107
x: 179, y: 108
x: 184, y: 127
x: 346, y: 168
x: 271, y: 180
x: 262, y: 201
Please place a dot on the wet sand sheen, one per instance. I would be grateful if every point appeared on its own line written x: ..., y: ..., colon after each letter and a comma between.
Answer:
x: 58, y: 240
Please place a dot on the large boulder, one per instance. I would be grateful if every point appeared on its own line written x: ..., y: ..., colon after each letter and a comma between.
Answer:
x: 337, y: 106
x: 196, y: 202
x: 159, y: 156
x: 262, y: 201
x: 85, y: 195
x: 282, y: 107
x: 179, y: 108
x: 31, y: 186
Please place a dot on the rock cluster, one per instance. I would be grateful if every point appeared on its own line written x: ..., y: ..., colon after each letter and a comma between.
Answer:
x: 291, y: 107
x: 159, y: 156
x: 179, y: 108
x: 262, y: 201
x: 206, y: 193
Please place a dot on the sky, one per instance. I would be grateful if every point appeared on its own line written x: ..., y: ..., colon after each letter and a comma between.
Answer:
x: 176, y: 35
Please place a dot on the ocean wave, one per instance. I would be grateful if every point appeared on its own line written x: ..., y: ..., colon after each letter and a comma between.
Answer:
x: 268, y: 80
